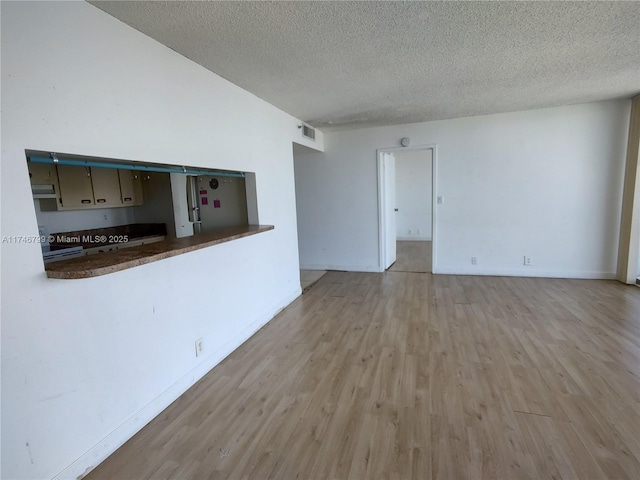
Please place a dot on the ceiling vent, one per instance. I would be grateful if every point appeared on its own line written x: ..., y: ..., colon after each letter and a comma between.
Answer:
x: 308, y: 132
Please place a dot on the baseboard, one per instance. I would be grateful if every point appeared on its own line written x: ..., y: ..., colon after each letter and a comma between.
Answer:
x: 413, y: 239
x: 135, y: 423
x: 491, y: 272
x: 525, y: 272
x: 345, y: 268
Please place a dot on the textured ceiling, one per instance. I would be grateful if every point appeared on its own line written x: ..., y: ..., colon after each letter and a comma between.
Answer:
x: 340, y: 65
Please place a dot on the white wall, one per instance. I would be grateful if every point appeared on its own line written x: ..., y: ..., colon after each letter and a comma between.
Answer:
x: 86, y: 363
x: 544, y: 183
x: 413, y: 195
x: 69, y: 220
x: 336, y: 207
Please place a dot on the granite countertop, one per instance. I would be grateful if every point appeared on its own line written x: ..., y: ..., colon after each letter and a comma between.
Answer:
x: 105, y: 263
x: 99, y: 237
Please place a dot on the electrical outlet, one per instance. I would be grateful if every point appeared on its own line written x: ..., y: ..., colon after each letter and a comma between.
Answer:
x: 199, y: 347
x: 106, y: 217
x: 474, y: 261
x: 527, y: 261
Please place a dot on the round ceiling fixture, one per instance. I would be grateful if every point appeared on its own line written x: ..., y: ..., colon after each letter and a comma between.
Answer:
x: 405, y: 142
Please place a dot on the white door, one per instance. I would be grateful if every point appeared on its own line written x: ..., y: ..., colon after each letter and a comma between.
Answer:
x: 389, y: 202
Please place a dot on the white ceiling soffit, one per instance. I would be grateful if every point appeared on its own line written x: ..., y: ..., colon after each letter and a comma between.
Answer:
x: 339, y: 65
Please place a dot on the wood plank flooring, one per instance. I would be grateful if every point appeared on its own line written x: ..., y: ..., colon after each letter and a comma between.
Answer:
x: 309, y: 277
x: 415, y: 376
x: 412, y: 257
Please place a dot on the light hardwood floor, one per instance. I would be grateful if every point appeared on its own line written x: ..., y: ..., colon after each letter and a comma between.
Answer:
x: 412, y: 257
x: 309, y: 277
x: 415, y: 376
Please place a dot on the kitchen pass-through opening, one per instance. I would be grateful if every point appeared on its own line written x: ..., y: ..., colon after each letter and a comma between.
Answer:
x: 90, y: 205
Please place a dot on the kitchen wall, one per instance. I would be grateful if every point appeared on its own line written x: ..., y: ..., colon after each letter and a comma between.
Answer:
x: 231, y: 198
x: 543, y: 183
x: 158, y: 206
x: 86, y: 363
x: 413, y: 195
x: 69, y: 220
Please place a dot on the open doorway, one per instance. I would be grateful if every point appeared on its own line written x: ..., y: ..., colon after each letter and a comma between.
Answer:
x: 406, y: 210
x: 413, y: 211
x: 310, y: 274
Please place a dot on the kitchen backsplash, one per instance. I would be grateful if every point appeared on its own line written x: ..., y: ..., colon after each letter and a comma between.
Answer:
x: 84, y: 219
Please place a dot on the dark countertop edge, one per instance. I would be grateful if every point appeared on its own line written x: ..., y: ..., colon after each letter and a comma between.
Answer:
x: 111, y: 262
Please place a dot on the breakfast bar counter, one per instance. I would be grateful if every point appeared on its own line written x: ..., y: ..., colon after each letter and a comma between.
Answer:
x: 109, y: 262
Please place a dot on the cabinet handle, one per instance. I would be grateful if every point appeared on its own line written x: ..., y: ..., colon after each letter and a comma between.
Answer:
x: 127, y: 199
x: 101, y: 200
x: 85, y: 201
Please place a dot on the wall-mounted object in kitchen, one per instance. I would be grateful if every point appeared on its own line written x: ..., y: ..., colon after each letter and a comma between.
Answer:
x: 75, y: 182
x: 216, y: 204
x: 130, y: 187
x: 43, y: 180
x: 79, y: 188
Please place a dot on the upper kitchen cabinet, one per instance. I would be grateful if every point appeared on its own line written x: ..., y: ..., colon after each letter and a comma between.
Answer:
x: 41, y: 174
x: 76, y: 188
x: 106, y: 187
x: 44, y: 181
x: 130, y: 187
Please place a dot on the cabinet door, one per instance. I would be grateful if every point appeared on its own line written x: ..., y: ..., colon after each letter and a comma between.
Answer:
x: 131, y: 187
x: 75, y: 186
x: 41, y: 173
x: 106, y: 187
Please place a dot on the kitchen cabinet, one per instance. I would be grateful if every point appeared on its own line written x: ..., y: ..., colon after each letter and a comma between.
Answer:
x: 44, y: 182
x: 64, y: 187
x: 106, y: 187
x: 76, y: 189
x: 130, y: 187
x: 41, y: 173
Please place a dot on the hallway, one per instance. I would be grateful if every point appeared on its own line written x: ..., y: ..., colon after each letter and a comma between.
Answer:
x: 412, y: 257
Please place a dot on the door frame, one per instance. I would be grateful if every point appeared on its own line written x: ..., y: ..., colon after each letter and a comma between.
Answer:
x: 382, y: 217
x: 383, y: 205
